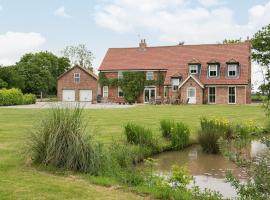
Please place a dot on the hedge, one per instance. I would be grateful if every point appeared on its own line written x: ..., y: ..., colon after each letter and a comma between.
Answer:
x: 15, y: 96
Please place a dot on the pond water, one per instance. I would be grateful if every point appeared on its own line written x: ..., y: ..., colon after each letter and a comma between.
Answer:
x: 207, y: 169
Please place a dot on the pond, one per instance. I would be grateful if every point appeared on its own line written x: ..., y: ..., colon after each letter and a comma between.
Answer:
x: 207, y: 169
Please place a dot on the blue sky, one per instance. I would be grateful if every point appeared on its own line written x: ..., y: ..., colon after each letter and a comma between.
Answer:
x: 33, y: 25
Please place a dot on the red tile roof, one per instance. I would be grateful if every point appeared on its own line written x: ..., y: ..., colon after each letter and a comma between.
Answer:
x: 175, y: 59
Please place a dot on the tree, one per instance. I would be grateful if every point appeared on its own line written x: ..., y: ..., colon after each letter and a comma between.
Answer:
x: 39, y: 71
x: 3, y: 84
x: 231, y: 41
x: 261, y: 54
x: 79, y: 55
x: 11, y: 77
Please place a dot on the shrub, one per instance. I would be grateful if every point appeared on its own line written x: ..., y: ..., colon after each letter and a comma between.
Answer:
x: 29, y: 99
x: 166, y: 127
x: 211, y: 131
x: 60, y: 141
x: 138, y: 135
x: 180, y: 136
x: 11, y: 97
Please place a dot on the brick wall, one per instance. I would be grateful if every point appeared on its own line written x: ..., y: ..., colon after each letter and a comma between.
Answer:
x: 87, y: 82
x: 199, y: 91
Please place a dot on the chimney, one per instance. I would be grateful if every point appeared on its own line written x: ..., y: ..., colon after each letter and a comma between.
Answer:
x: 143, y: 44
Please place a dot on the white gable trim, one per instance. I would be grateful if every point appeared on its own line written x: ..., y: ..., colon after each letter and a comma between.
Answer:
x: 194, y: 78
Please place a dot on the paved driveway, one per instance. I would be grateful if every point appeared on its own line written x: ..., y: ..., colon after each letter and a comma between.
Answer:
x: 71, y: 104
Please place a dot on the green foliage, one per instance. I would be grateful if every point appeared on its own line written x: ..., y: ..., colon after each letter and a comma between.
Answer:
x: 180, y: 135
x: 29, y: 99
x: 231, y: 41
x: 180, y: 176
x: 39, y: 72
x: 3, y: 84
x: 166, y: 127
x: 139, y: 135
x: 211, y: 131
x: 11, y: 78
x: 132, y: 85
x: 103, y: 80
x: 60, y: 141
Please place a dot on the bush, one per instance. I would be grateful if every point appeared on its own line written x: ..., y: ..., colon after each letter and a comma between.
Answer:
x: 166, y: 127
x: 29, y: 99
x: 60, y: 141
x: 138, y: 135
x: 211, y: 131
x: 180, y: 136
x: 15, y: 96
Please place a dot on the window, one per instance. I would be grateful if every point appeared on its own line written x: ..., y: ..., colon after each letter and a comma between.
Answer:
x: 77, y: 77
x: 105, y: 91
x: 120, y: 92
x: 213, y: 70
x: 232, y: 95
x: 165, y: 92
x: 193, y: 69
x: 232, y: 70
x: 211, y: 95
x: 120, y: 75
x: 175, y: 84
x: 149, y: 76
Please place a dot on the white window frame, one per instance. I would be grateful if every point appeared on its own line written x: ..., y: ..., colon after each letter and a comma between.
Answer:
x: 234, y: 94
x: 196, y: 68
x: 165, y: 92
x: 174, y: 84
x: 236, y: 70
x: 77, y: 77
x: 120, y: 75
x: 209, y: 70
x: 209, y: 95
x: 119, y: 90
x: 148, y: 76
x: 105, y: 92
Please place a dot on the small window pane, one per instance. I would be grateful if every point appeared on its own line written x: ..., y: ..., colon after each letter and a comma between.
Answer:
x: 193, y: 69
x: 76, y: 77
x: 120, y: 92
x: 232, y: 70
x: 149, y: 76
x: 120, y: 75
x: 213, y: 70
x: 105, y: 91
x: 175, y: 83
x: 232, y: 95
x: 212, y: 95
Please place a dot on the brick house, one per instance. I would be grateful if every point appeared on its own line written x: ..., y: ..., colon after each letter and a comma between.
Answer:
x: 197, y: 74
x: 77, y: 84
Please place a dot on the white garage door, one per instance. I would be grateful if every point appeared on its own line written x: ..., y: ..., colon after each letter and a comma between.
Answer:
x: 85, y: 95
x: 68, y: 95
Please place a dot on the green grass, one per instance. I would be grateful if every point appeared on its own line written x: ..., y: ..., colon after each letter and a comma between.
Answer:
x: 20, y: 180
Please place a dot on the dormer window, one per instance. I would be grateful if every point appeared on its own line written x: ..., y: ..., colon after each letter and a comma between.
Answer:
x: 213, y: 70
x: 193, y: 69
x: 233, y: 70
x: 77, y: 77
x: 120, y: 75
x: 149, y: 76
x: 175, y: 83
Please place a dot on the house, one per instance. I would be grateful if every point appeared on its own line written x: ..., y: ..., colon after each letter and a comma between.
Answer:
x: 197, y: 74
x: 77, y: 84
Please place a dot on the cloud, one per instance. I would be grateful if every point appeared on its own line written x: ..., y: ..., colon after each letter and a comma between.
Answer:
x: 173, y: 21
x: 14, y: 45
x: 210, y: 3
x: 61, y: 12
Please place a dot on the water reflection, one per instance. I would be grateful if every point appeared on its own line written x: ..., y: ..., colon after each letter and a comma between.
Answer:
x: 207, y: 169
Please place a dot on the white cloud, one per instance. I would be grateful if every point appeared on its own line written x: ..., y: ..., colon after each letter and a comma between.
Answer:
x: 209, y: 3
x: 14, y: 45
x: 61, y: 12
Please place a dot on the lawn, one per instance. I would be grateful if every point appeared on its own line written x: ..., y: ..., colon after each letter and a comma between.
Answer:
x: 20, y: 180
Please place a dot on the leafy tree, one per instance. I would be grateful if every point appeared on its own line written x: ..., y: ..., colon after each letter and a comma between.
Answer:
x: 39, y: 71
x: 11, y: 77
x: 261, y: 54
x: 79, y: 55
x: 3, y: 84
x: 231, y: 41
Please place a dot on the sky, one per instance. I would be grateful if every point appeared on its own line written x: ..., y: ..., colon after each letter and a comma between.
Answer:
x: 38, y: 25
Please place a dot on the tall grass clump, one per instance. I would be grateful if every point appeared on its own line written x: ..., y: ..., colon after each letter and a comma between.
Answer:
x: 180, y: 135
x: 211, y: 131
x: 166, y: 127
x: 60, y: 141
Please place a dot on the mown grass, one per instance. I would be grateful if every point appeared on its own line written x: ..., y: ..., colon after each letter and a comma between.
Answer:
x: 20, y: 180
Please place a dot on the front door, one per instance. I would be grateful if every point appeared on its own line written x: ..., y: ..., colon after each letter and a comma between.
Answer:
x: 149, y: 94
x: 191, y: 94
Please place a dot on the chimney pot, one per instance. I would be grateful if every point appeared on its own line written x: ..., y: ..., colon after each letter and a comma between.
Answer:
x: 143, y: 44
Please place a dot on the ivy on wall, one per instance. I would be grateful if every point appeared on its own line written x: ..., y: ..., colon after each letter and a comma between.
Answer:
x: 132, y: 83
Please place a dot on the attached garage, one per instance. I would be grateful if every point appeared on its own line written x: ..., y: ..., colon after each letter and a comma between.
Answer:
x: 77, y: 84
x: 68, y: 95
x: 86, y: 95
